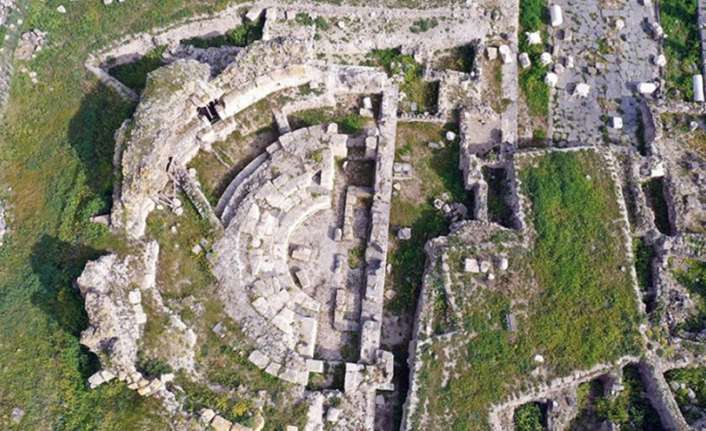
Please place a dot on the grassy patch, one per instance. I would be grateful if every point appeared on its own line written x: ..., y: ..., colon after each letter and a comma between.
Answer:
x: 56, y: 150
x: 436, y: 172
x: 460, y: 59
x: 351, y: 124
x: 643, y: 263
x: 134, y: 75
x: 242, y: 35
x: 693, y: 278
x: 536, y: 92
x: 530, y: 417
x: 576, y: 259
x: 356, y: 256
x: 423, y: 24
x: 630, y: 409
x: 499, y: 210
x: 573, y: 304
x: 682, y: 46
x: 587, y: 395
x: 691, y: 390
x: 654, y: 192
x: 419, y: 92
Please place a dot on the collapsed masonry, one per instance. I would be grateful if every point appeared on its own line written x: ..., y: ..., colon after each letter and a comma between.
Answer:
x: 183, y: 111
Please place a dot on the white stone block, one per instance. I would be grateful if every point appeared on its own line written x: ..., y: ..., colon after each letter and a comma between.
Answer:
x: 556, y: 15
x: 524, y: 60
x: 698, y: 81
x: 646, y: 88
x: 551, y: 79
x: 617, y: 123
x: 134, y: 296
x: 545, y: 58
x: 534, y: 38
x: 582, y: 89
x: 471, y: 265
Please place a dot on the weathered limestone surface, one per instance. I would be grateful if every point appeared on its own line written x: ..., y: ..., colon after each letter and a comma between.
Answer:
x: 115, y: 313
x: 161, y: 135
x: 260, y: 213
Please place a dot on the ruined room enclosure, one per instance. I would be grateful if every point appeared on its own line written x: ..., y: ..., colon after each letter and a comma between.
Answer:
x: 258, y: 128
x: 511, y: 322
x: 682, y: 146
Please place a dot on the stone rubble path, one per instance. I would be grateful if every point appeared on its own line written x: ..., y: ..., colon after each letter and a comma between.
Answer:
x: 611, y: 61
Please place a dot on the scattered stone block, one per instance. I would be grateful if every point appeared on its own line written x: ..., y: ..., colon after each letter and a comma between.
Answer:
x: 646, y: 88
x: 134, y: 296
x: 273, y: 369
x: 259, y: 359
x: 302, y: 253
x: 404, y: 234
x: 333, y: 414
x: 551, y: 79
x: 485, y: 266
x: 524, y: 60
x: 698, y: 81
x: 503, y: 264
x: 617, y: 123
x: 619, y: 24
x: 505, y: 54
x: 582, y: 90
x: 219, y: 423
x: 17, y: 415
x: 538, y: 358
x: 659, y: 60
x: 367, y: 103
x: 491, y: 53
x: 303, y: 279
x: 471, y: 265
x: 450, y: 136
x: 556, y: 16
x: 315, y: 366
x: 545, y: 58
x: 534, y: 38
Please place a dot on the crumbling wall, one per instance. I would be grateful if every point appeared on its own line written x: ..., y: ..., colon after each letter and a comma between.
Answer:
x: 162, y: 134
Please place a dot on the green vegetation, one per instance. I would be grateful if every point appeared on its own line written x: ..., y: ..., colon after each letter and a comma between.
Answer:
x: 589, y: 309
x: 498, y: 189
x: 436, y: 173
x: 134, y: 75
x: 532, y: 18
x: 420, y: 92
x: 461, y: 59
x: 630, y: 408
x: 580, y: 310
x: 693, y: 278
x: 56, y: 150
x: 643, y: 259
x: 654, y: 192
x: 529, y: 417
x: 3, y: 32
x: 320, y: 22
x: 692, y: 383
x: 351, y: 124
x: 682, y: 47
x: 587, y: 395
x: 423, y: 24
x: 356, y: 256
x: 242, y: 35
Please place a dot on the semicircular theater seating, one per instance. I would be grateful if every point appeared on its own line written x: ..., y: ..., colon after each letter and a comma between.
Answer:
x: 260, y: 209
